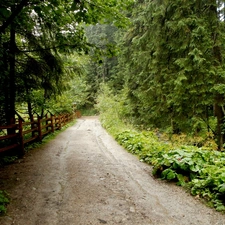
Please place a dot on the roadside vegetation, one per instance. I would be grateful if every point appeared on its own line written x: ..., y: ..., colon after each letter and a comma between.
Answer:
x: 174, y: 158
x: 4, y: 200
x: 164, y: 92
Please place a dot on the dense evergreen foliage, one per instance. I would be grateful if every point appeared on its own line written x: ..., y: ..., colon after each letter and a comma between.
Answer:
x: 172, y: 62
x: 173, y: 158
x: 101, y: 66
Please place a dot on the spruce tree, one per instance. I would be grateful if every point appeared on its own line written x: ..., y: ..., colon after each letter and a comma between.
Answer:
x: 174, y: 51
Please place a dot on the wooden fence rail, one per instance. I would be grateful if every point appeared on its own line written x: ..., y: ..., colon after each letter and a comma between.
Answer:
x: 24, y: 132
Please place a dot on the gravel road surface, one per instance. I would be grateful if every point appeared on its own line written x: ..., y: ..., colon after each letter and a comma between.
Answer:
x: 83, y: 177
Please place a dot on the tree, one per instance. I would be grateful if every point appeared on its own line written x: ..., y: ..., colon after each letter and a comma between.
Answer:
x: 34, y: 33
x: 174, y: 51
x: 102, y: 57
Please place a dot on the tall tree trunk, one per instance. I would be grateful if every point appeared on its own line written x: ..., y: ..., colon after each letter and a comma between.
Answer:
x: 12, y: 86
x: 220, y: 116
x: 218, y: 62
x: 5, y: 71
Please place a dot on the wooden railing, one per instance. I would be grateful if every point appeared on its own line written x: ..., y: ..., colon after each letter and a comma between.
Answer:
x: 22, y: 132
x: 12, y: 136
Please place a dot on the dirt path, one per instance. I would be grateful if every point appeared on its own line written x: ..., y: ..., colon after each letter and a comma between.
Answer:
x: 84, y: 177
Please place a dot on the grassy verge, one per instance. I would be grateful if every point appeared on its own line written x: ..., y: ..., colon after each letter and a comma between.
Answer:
x: 47, y: 138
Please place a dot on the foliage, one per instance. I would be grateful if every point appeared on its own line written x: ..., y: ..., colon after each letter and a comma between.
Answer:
x: 75, y: 93
x: 172, y: 61
x: 141, y: 142
x: 75, y: 97
x: 101, y: 64
x: 90, y: 111
x: 112, y: 108
x: 34, y: 37
x: 7, y: 160
x: 205, y: 141
x: 4, y: 200
x: 200, y: 170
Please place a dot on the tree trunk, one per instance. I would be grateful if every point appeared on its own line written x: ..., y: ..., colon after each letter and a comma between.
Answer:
x: 5, y: 70
x: 219, y: 115
x: 219, y: 99
x: 12, y: 86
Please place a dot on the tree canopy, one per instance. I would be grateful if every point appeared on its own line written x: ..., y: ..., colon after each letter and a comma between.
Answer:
x: 33, y: 37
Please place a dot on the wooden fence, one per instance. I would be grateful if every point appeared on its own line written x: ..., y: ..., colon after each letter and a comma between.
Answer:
x: 22, y: 132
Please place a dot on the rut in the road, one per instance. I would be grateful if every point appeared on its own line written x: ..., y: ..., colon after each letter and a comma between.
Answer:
x: 84, y: 177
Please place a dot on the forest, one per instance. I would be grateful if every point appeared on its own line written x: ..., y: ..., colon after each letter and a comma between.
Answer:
x: 153, y: 70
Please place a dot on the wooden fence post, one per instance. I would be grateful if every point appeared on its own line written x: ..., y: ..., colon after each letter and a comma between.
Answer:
x: 39, y: 129
x: 78, y: 113
x: 19, y: 133
x: 60, y: 122
x: 46, y: 121
x: 55, y: 118
x: 32, y: 125
x: 52, y: 123
x: 64, y: 119
x: 22, y: 152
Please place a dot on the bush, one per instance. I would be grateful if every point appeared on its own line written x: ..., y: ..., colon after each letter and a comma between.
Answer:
x: 202, y: 171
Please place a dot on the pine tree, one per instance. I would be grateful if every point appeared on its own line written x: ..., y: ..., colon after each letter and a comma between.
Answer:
x: 175, y: 51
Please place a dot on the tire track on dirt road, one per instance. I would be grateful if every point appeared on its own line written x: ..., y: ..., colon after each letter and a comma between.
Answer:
x: 126, y: 168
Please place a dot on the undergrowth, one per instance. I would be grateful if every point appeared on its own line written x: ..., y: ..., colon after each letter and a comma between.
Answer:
x: 201, y: 170
x: 4, y: 200
x: 89, y: 111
